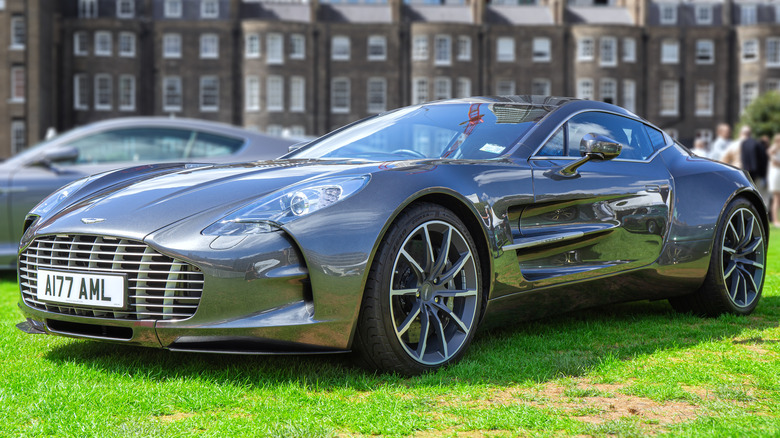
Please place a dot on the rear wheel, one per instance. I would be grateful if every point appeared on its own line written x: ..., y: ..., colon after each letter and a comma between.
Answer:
x: 736, y: 273
x: 423, y: 295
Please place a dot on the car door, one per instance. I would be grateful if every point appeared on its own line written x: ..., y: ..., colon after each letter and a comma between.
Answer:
x: 607, y: 216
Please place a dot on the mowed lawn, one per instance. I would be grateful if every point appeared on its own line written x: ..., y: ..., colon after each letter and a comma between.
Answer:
x: 626, y: 370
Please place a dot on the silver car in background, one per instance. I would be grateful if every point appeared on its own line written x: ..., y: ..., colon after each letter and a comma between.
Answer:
x: 30, y: 176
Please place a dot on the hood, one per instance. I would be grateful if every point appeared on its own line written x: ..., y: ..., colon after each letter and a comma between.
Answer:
x: 133, y: 203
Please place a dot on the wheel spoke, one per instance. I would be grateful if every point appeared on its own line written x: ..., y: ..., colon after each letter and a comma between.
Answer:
x: 456, y: 293
x: 409, y: 319
x: 734, y: 287
x: 743, y: 287
x: 444, y: 254
x: 442, y: 338
x: 424, y: 327
x: 401, y: 292
x: 734, y: 232
x: 449, y: 275
x: 729, y: 250
x: 748, y: 230
x: 453, y: 317
x: 748, y: 276
x: 418, y: 271
x: 429, y: 257
x: 752, y: 263
x: 729, y: 269
x: 753, y: 246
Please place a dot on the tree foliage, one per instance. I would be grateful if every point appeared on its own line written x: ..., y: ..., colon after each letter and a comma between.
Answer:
x: 763, y: 115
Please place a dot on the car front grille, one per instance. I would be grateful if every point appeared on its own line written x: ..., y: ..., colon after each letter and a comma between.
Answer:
x: 159, y: 287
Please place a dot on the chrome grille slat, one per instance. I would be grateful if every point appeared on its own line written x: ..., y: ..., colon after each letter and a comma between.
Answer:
x: 160, y: 287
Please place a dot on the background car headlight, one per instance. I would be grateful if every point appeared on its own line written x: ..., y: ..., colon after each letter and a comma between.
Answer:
x: 278, y: 208
x: 59, y: 196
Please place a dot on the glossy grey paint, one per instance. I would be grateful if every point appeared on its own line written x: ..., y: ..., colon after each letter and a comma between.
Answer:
x: 23, y: 183
x: 300, y: 288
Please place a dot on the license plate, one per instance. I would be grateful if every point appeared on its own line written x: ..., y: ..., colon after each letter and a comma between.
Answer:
x: 103, y: 290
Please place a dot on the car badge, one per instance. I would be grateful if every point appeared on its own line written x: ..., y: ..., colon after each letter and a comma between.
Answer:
x: 91, y: 220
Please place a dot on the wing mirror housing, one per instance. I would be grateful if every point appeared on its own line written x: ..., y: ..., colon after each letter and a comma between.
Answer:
x: 593, y: 147
x: 60, y: 155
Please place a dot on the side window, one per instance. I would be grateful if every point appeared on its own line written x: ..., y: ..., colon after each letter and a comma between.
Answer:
x: 657, y: 138
x: 132, y: 145
x: 211, y: 145
x: 554, y: 146
x: 629, y: 133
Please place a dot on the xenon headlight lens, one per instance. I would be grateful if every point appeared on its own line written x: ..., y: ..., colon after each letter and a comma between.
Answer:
x: 280, y: 207
x: 59, y: 196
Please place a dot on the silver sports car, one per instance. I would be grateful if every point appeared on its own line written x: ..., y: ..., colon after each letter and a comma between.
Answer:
x: 397, y: 236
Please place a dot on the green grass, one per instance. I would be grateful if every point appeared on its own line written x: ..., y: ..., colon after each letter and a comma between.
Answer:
x: 627, y: 370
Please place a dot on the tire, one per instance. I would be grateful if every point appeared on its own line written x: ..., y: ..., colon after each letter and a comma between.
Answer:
x: 423, y: 297
x: 735, y: 277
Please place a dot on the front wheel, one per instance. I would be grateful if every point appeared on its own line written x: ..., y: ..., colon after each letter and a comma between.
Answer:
x: 423, y: 296
x: 735, y: 277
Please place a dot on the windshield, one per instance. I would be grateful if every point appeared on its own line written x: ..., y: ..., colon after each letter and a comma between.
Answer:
x: 449, y: 130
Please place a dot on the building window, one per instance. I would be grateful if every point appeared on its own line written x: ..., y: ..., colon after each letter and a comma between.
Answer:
x: 703, y: 14
x: 172, y: 94
x: 464, y: 48
x: 668, y: 13
x: 420, y: 48
x: 747, y: 14
x: 608, y: 52
x: 209, y: 8
x: 88, y: 9
x: 750, y: 50
x: 127, y: 44
x: 777, y: 13
x: 505, y: 49
x: 274, y: 93
x: 18, y: 84
x: 126, y: 93
x: 297, y: 94
x: 172, y: 9
x: 442, y: 50
x: 171, y: 46
x: 209, y: 46
x: 376, y: 91
x: 419, y: 91
x: 209, y: 94
x: 585, y: 89
x: 339, y: 46
x: 18, y: 136
x: 275, y: 130
x: 629, y: 95
x: 629, y: 50
x: 297, y: 46
x: 541, y: 49
x: 18, y: 33
x: 773, y: 52
x: 585, y: 51
x: 773, y: 84
x: 377, y: 48
x: 125, y: 8
x: 274, y: 48
x: 339, y: 95
x: 103, y: 92
x: 80, y: 92
x: 252, y: 93
x: 670, y: 95
x: 749, y: 94
x: 463, y: 88
x: 103, y: 43
x: 2, y: 5
x: 80, y: 43
x: 670, y: 52
x: 705, y: 52
x: 705, y: 95
x: 297, y: 131
x: 541, y: 87
x: 505, y: 88
x: 608, y: 91
x: 442, y: 88
x: 252, y: 46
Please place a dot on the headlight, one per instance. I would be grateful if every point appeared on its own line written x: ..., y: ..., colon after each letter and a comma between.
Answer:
x: 278, y: 208
x: 59, y: 196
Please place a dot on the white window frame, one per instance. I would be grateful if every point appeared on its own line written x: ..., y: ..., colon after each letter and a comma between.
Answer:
x: 670, y: 51
x: 209, y: 46
x: 204, y: 108
x: 543, y: 83
x: 297, y: 94
x: 705, y: 47
x: 121, y: 4
x: 442, y: 50
x: 748, y: 14
x: 252, y: 94
x: 80, y: 49
x: 274, y: 50
x: 744, y: 99
x: 99, y: 106
x: 773, y: 52
x: 464, y: 48
x: 80, y: 92
x: 18, y: 74
x: 171, y: 46
x: 541, y: 49
x: 750, y: 50
x: 209, y: 9
x: 340, y: 48
x: 704, y: 91
x: 252, y: 46
x: 107, y: 37
x: 674, y: 88
x: 18, y: 33
x: 420, y: 48
x: 586, y: 50
x: 126, y: 105
x: 334, y: 83
x: 463, y: 88
x: 629, y: 49
x: 274, y: 91
x: 608, y: 89
x: 442, y: 88
x: 88, y: 8
x: 505, y: 52
x: 173, y: 9
x: 376, y: 95
x: 703, y: 14
x: 608, y: 51
x: 585, y: 89
x: 376, y: 48
x: 18, y: 136
x: 178, y: 93
x: 629, y: 95
x: 420, y: 90
x: 667, y: 13
x: 297, y: 46
x: 127, y: 53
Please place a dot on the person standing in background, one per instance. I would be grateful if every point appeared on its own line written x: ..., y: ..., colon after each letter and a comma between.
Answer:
x: 773, y: 179
x: 700, y: 148
x: 722, y: 142
x: 750, y: 155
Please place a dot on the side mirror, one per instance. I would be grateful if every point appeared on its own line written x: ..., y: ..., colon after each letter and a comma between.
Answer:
x: 49, y: 158
x: 599, y: 147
